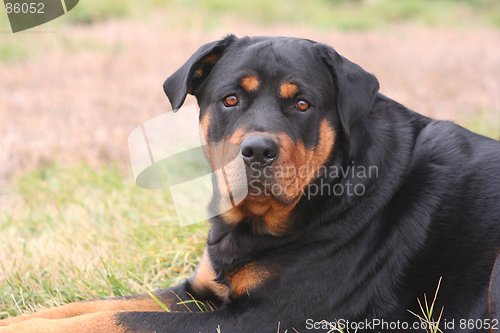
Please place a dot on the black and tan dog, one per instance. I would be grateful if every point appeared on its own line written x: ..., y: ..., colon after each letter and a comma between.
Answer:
x: 379, y: 204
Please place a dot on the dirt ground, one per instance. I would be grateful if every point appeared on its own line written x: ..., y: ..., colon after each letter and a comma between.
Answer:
x: 80, y: 104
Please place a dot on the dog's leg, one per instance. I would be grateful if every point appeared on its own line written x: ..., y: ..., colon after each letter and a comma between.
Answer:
x: 200, y: 287
x: 97, y: 322
x: 223, y: 320
x: 250, y: 319
x: 100, y: 316
x: 131, y: 303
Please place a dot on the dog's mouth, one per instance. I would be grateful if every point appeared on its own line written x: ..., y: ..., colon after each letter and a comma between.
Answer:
x: 273, y: 182
x: 277, y: 178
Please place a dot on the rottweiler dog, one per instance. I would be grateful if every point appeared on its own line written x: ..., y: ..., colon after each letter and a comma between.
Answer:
x: 358, y: 208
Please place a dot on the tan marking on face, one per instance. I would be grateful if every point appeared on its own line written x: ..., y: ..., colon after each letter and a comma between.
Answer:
x: 250, y: 83
x: 303, y: 165
x: 307, y: 162
x: 233, y: 216
x: 247, y: 278
x: 323, y: 150
x: 205, y: 124
x: 204, y: 279
x: 218, y: 153
x: 258, y: 207
x: 236, y: 137
x: 288, y: 89
x: 227, y: 173
x: 204, y: 128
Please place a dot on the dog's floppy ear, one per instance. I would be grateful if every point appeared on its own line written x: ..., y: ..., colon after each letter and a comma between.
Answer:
x: 187, y: 78
x: 356, y: 89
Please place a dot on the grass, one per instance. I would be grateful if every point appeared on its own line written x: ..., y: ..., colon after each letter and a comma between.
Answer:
x: 486, y: 123
x: 342, y: 14
x: 74, y: 232
x: 87, y: 12
x: 359, y: 14
x: 427, y: 317
x: 208, y: 14
x: 10, y: 52
x: 339, y: 14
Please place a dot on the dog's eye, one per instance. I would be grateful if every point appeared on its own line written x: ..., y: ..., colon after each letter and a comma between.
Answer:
x: 302, y: 105
x: 230, y: 100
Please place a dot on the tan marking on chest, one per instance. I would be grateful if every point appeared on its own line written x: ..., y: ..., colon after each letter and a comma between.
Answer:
x: 247, y: 278
x: 204, y: 279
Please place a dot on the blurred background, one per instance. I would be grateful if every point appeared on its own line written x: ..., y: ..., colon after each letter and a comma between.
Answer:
x: 72, y: 223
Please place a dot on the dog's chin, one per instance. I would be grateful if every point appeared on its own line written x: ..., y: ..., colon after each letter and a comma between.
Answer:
x: 270, y: 190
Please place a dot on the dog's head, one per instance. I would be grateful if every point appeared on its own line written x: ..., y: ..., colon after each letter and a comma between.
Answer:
x: 282, y: 101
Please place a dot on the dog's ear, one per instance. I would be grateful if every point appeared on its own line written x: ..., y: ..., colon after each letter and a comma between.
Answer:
x: 356, y: 89
x: 190, y: 75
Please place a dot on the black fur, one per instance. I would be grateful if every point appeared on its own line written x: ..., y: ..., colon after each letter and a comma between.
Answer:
x: 432, y: 211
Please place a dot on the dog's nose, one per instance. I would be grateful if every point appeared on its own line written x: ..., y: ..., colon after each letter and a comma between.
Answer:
x: 259, y: 150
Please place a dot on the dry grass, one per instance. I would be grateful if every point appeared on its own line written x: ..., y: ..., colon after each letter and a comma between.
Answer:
x: 80, y: 103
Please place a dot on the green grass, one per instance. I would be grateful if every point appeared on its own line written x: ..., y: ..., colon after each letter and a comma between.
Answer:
x: 87, y: 12
x: 12, y: 52
x: 342, y: 14
x: 184, y: 14
x: 73, y: 233
x: 428, y: 316
x: 486, y: 123
x: 357, y: 15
